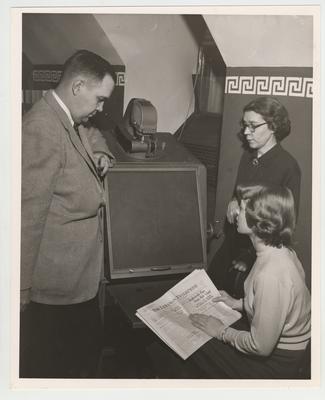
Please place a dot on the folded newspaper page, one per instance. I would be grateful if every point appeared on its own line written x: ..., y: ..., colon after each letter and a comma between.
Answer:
x: 168, y: 316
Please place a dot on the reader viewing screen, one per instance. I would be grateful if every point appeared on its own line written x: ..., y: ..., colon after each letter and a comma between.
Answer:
x: 154, y: 218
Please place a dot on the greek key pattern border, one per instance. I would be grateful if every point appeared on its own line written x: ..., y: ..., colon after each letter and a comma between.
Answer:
x: 120, y: 78
x: 46, y: 75
x: 270, y: 85
x: 53, y: 76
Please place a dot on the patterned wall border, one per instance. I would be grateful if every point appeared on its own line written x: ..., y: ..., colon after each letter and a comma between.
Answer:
x: 120, y: 78
x: 46, y: 75
x: 270, y: 85
x: 53, y: 76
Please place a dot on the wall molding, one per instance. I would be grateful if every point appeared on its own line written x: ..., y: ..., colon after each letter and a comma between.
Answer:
x: 53, y: 76
x: 120, y: 78
x: 46, y: 75
x: 270, y: 85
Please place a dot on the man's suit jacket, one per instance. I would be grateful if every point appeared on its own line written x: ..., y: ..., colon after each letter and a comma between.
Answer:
x: 62, y: 198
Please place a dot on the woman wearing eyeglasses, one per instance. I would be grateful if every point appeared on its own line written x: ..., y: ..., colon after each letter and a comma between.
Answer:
x: 265, y: 122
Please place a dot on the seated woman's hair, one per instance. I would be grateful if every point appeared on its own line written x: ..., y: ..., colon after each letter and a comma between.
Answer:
x: 274, y: 113
x: 270, y: 213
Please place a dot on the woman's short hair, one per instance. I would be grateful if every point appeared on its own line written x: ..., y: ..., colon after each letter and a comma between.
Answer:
x: 270, y: 213
x: 274, y: 113
x: 87, y: 63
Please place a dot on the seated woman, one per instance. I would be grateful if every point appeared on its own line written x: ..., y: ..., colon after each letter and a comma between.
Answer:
x: 276, y: 300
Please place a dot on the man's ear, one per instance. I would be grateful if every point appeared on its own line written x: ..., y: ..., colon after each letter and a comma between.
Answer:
x: 76, y: 86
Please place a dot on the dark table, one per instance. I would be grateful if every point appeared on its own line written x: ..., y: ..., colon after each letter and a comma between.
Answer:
x: 132, y: 295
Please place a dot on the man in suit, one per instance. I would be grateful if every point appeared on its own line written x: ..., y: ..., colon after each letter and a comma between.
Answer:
x: 63, y: 165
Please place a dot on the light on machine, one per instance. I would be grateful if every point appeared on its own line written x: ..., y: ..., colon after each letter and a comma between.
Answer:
x: 137, y: 133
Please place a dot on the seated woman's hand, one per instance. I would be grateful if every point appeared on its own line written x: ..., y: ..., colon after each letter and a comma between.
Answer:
x: 235, y: 304
x: 232, y: 211
x: 239, y: 265
x: 208, y: 324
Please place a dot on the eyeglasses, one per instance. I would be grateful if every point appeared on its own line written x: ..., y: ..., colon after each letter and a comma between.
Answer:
x: 252, y: 128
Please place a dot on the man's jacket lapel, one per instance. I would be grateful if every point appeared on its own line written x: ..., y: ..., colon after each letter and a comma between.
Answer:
x: 82, y: 147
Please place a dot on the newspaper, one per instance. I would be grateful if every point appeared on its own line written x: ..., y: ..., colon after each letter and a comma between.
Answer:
x: 168, y: 316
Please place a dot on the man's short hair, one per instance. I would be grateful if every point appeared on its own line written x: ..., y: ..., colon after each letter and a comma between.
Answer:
x: 87, y: 63
x: 270, y: 213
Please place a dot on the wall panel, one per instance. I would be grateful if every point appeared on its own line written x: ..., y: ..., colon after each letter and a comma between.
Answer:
x: 293, y: 87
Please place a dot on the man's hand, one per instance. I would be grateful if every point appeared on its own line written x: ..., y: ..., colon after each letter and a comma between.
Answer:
x: 24, y: 299
x: 232, y: 211
x: 208, y: 324
x: 235, y: 304
x: 103, y: 163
